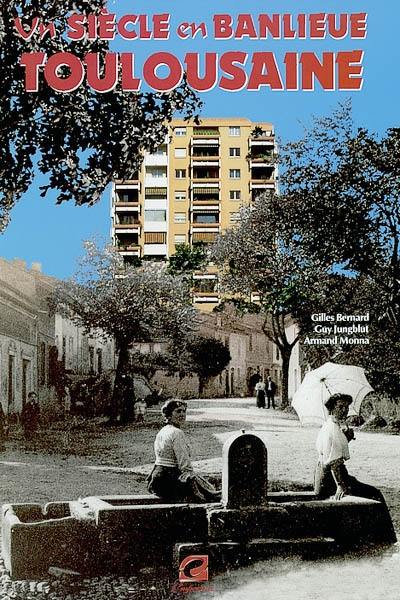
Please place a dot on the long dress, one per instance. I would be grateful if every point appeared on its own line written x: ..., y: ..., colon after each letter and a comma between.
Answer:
x: 333, y: 450
x: 173, y: 478
x: 260, y: 394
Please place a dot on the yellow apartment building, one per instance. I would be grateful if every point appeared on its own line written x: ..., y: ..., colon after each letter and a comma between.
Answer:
x: 191, y: 189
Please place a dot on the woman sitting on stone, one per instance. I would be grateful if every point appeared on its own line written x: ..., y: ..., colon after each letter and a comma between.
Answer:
x: 172, y: 477
x: 331, y: 476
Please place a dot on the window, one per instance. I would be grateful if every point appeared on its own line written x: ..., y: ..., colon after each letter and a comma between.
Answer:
x: 161, y: 151
x: 180, y: 217
x: 205, y: 218
x: 180, y: 196
x: 155, y: 237
x: 127, y: 197
x: 234, y: 173
x: 156, y: 173
x: 180, y: 173
x: 126, y: 220
x: 234, y: 217
x: 234, y: 195
x: 180, y: 152
x: 180, y: 239
x: 180, y: 131
x: 205, y: 285
x: 155, y: 215
x: 234, y: 151
x: 234, y: 131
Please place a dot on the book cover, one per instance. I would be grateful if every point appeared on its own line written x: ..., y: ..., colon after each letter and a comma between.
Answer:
x: 287, y: 108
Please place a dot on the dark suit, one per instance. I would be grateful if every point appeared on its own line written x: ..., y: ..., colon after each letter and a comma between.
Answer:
x: 270, y: 389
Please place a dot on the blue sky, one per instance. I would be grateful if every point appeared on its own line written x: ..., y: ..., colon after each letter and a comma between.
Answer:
x: 53, y: 235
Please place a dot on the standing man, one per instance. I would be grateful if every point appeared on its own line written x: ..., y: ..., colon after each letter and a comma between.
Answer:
x: 30, y: 416
x: 270, y: 390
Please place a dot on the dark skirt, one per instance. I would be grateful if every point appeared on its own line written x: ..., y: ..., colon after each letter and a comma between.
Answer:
x: 325, y: 485
x: 164, y: 482
x: 260, y: 397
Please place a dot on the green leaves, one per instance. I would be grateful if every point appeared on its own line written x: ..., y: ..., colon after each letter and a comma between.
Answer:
x: 187, y: 259
x: 80, y: 140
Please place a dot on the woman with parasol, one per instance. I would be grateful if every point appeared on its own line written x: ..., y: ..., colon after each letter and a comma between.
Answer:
x: 331, y: 476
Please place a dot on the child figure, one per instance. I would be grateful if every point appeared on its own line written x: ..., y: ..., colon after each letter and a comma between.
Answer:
x: 140, y: 410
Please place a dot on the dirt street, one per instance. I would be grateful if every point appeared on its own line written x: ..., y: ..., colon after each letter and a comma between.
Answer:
x: 78, y: 459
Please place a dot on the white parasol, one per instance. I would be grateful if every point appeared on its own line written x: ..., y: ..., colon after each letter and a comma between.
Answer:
x: 319, y: 384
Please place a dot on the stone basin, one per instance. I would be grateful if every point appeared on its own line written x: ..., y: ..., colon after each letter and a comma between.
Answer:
x: 101, y: 535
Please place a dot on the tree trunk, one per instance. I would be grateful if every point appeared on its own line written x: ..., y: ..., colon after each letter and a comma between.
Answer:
x: 120, y: 394
x: 285, y: 375
x: 202, y: 383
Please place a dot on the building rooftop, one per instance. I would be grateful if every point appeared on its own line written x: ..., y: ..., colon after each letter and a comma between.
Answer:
x: 221, y: 121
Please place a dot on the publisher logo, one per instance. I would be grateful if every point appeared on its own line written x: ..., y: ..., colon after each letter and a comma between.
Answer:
x: 194, y: 568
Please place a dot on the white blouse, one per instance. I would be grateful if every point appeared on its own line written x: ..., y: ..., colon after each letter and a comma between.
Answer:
x: 331, y: 442
x: 172, y: 450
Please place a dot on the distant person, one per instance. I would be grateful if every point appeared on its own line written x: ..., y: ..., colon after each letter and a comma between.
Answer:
x: 67, y: 403
x: 173, y: 478
x: 260, y: 394
x: 30, y: 416
x: 139, y: 409
x: 270, y: 389
x: 3, y: 427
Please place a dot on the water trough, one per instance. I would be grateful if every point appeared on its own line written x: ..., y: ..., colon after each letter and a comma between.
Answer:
x: 122, y: 534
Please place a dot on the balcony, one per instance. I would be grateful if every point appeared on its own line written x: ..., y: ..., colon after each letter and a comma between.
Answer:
x: 206, y: 180
x: 126, y: 207
x: 206, y: 297
x: 157, y: 159
x: 204, y: 142
x: 123, y: 195
x: 204, y: 232
x: 132, y: 227
x: 205, y: 194
x: 155, y: 250
x: 205, y: 152
x: 156, y: 193
x: 127, y: 184
x: 202, y: 205
x: 266, y: 138
x: 263, y: 175
x: 205, y: 161
x: 268, y: 184
x: 212, y: 272
x: 206, y: 132
x: 155, y: 237
x: 205, y: 172
x: 257, y: 159
x: 159, y: 182
x: 205, y: 237
x: 129, y: 250
x: 205, y: 223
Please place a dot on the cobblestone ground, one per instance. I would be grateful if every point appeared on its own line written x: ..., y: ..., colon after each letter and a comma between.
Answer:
x: 113, y: 464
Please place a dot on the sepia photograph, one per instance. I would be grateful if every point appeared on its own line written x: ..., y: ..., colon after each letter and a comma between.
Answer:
x: 199, y: 300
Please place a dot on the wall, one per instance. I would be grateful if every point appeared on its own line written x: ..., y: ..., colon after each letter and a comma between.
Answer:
x: 252, y: 355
